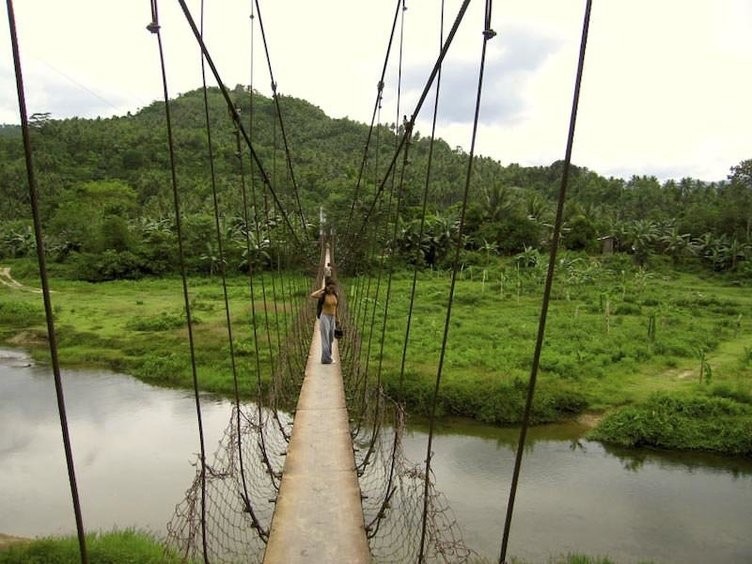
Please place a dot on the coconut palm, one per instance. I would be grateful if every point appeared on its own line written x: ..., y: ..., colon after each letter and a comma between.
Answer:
x: 642, y: 235
x: 675, y: 244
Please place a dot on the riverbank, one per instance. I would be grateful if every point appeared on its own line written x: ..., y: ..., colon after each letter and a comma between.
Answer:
x: 8, y: 540
x: 138, y: 479
x: 618, y: 340
x: 109, y: 547
x: 126, y: 548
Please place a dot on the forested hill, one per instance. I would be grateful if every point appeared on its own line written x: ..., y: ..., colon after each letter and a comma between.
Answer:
x: 102, y: 180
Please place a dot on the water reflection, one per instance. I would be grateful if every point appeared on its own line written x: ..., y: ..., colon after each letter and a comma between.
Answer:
x: 134, y: 444
x: 575, y: 495
x: 636, y: 459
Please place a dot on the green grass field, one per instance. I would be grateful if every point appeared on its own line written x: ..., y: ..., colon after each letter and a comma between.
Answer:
x: 616, y: 337
x: 121, y: 547
x: 613, y: 338
x: 140, y: 328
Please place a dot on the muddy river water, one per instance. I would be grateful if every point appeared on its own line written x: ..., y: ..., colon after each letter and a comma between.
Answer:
x: 134, y: 444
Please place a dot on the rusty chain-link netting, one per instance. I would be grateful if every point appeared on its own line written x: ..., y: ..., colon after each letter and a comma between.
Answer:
x: 393, y: 488
x: 241, y: 480
x: 239, y: 505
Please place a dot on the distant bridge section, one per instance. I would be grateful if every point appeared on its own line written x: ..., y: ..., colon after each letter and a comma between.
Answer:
x: 319, y: 516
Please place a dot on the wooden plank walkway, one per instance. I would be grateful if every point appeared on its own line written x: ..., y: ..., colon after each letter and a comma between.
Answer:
x: 318, y: 516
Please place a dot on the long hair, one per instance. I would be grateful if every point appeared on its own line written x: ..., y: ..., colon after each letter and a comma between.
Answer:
x: 331, y: 288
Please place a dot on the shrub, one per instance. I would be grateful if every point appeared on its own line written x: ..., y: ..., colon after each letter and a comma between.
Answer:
x: 627, y: 309
x: 726, y: 391
x: 162, y: 322
x: 681, y: 422
x: 21, y: 314
x: 617, y: 263
x: 109, y: 265
x: 164, y: 368
x: 102, y: 548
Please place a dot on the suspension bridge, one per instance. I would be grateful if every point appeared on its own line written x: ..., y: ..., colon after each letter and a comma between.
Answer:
x: 318, y: 516
x: 329, y: 483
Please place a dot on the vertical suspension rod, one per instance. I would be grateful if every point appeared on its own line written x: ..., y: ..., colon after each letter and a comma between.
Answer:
x: 51, y: 335
x: 547, y: 290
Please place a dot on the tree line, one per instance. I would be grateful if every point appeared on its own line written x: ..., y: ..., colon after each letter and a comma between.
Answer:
x: 107, y: 204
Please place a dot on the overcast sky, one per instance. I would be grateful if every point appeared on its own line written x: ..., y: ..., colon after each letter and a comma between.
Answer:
x: 666, y: 90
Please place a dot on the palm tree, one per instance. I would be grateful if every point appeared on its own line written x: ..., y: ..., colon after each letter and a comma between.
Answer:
x: 642, y: 234
x: 20, y: 243
x: 528, y: 258
x: 675, y: 244
x: 488, y: 248
x: 211, y: 256
x: 737, y: 250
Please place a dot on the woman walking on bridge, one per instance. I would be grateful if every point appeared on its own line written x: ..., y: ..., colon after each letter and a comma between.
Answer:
x: 327, y: 297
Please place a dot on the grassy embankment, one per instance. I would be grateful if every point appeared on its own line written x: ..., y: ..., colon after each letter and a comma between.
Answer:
x: 138, y: 327
x: 132, y: 547
x: 121, y: 547
x: 667, y: 356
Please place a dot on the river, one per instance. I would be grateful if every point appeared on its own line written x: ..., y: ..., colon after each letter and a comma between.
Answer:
x: 133, y: 446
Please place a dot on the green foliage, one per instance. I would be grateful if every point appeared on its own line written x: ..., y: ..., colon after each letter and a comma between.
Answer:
x: 165, y: 321
x: 20, y: 314
x: 117, y: 547
x: 590, y: 360
x: 109, y: 265
x: 681, y: 422
x: 139, y: 327
x: 17, y: 239
x: 163, y: 367
x: 103, y: 181
x: 737, y: 393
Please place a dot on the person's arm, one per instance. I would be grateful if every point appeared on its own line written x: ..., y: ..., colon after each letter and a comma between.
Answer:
x: 317, y: 294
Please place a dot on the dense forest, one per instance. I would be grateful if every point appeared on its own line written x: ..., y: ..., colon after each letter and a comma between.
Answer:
x: 107, y: 203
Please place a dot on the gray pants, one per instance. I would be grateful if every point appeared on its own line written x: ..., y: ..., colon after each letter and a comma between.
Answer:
x: 326, y: 326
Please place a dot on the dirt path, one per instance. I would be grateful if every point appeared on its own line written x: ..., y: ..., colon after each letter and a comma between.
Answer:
x: 7, y: 540
x: 589, y: 419
x: 7, y: 280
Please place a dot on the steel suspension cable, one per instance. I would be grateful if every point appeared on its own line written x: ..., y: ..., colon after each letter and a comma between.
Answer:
x: 251, y: 286
x: 275, y: 96
x: 154, y: 28
x: 376, y: 109
x: 416, y: 111
x: 418, y: 260
x: 363, y: 379
x: 258, y: 218
x: 254, y: 326
x: 549, y: 283
x: 257, y: 229
x: 266, y: 215
x: 41, y: 259
x: 387, y: 216
x: 264, y: 295
x: 292, y: 331
x: 277, y: 372
x: 236, y: 117
x: 222, y: 268
x: 398, y: 188
x: 488, y: 34
x: 361, y: 376
x: 421, y: 230
x: 390, y: 272
x: 362, y: 303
